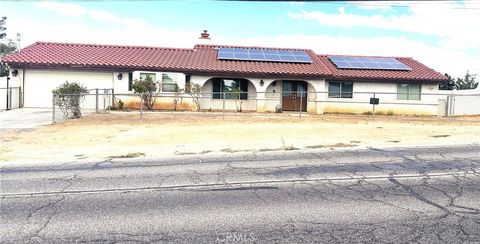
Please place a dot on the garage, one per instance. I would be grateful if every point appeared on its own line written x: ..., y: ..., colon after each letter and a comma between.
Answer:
x: 38, y: 84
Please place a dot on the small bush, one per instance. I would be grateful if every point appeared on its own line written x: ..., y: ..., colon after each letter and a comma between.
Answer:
x: 148, y: 89
x: 367, y: 113
x: 120, y: 104
x: 390, y: 113
x: 195, y: 91
x: 68, y: 97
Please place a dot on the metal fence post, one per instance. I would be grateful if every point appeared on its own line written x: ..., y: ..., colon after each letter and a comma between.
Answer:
x: 53, y: 108
x: 223, y: 105
x: 9, y: 102
x: 453, y: 105
x: 20, y: 95
x: 96, y: 100
x: 141, y: 108
x: 113, y: 98
x: 373, y: 114
x: 300, y: 105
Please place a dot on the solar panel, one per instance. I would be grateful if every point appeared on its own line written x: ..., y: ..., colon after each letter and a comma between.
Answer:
x: 350, y: 62
x: 267, y: 55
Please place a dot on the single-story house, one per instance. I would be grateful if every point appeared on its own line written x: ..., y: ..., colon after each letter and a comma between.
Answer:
x: 270, y: 78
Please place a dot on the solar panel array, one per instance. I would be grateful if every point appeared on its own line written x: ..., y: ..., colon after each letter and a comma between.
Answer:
x: 350, y: 62
x: 267, y: 55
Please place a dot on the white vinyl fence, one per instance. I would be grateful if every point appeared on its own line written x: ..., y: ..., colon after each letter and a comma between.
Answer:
x: 10, y: 97
x: 460, y: 102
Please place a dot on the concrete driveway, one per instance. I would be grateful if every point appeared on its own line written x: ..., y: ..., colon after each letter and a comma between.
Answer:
x: 25, y: 118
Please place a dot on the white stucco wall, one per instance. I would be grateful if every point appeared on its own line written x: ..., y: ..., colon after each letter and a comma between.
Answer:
x: 267, y: 97
x: 207, y: 102
x: 387, y: 93
x: 262, y: 98
x: 39, y: 83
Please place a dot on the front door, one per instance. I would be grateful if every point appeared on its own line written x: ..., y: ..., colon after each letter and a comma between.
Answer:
x: 294, y: 95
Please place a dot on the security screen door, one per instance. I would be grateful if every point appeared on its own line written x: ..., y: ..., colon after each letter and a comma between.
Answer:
x: 294, y: 95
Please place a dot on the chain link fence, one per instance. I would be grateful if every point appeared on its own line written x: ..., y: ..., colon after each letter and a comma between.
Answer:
x: 297, y: 103
x: 94, y: 101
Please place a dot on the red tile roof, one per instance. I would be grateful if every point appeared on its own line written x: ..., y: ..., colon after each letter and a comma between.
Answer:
x: 419, y: 71
x: 202, y: 59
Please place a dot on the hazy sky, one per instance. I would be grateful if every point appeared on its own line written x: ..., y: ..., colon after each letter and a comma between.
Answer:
x: 445, y: 35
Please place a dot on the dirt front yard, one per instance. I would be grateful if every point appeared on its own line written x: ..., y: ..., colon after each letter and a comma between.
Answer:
x: 117, y: 135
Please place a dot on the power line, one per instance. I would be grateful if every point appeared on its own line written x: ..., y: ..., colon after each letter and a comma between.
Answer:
x: 407, y: 4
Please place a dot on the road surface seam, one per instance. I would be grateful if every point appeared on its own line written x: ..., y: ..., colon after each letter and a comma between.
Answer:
x: 239, y: 183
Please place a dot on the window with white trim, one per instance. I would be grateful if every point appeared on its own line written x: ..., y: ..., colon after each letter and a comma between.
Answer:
x: 340, y: 89
x: 143, y: 76
x: 408, y: 91
x: 233, y: 88
x: 169, y: 82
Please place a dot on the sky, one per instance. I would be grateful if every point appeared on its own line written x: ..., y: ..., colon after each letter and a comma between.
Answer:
x: 444, y: 35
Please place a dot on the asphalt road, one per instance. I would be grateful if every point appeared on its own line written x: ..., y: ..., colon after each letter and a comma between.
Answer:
x: 421, y: 195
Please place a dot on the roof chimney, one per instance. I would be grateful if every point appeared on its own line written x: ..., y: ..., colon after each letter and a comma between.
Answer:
x: 204, y: 37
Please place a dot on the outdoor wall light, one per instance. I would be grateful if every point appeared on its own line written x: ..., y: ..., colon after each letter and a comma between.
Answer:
x: 14, y: 73
x: 261, y: 82
x: 120, y: 76
x: 274, y: 83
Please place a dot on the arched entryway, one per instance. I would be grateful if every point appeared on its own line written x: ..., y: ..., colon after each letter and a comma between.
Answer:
x: 231, y: 93
x: 294, y: 95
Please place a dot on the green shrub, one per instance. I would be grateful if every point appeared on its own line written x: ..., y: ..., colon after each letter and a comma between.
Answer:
x: 67, y: 97
x: 148, y: 88
x: 120, y: 104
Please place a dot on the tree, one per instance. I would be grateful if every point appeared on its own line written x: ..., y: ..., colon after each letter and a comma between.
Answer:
x: 237, y: 93
x: 195, y: 92
x: 68, y: 97
x: 467, y: 82
x: 148, y: 90
x: 5, y: 48
x: 176, y: 97
x: 449, y: 85
x: 3, y: 29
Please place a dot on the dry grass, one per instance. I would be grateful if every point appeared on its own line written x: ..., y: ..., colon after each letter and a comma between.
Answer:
x: 187, y: 133
x: 129, y: 155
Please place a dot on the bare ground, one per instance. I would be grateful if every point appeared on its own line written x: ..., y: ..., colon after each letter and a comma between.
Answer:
x: 122, y: 135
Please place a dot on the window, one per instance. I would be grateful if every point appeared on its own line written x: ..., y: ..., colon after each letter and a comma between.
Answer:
x: 340, y: 89
x: 130, y: 81
x: 408, y: 91
x: 230, y: 86
x: 187, y: 83
x: 145, y: 75
x: 169, y: 82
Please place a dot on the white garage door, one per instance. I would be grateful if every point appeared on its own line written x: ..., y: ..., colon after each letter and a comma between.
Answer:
x: 40, y: 83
